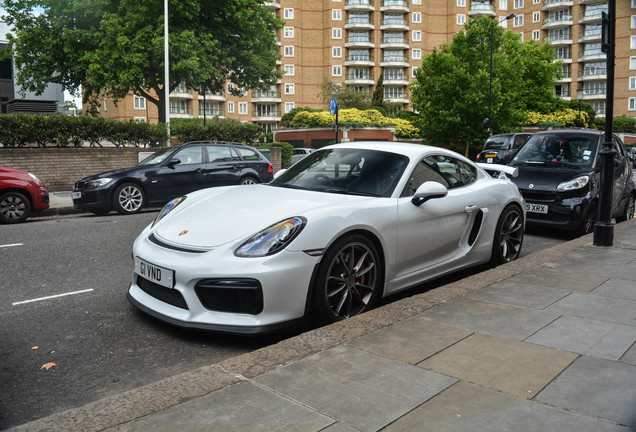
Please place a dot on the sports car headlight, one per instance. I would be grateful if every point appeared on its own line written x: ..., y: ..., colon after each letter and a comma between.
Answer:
x: 273, y: 239
x: 168, y: 208
x: 99, y: 182
x: 573, y: 184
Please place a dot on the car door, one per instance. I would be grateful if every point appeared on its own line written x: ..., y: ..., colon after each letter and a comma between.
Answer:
x: 621, y: 173
x: 183, y: 173
x: 431, y: 233
x: 223, y: 166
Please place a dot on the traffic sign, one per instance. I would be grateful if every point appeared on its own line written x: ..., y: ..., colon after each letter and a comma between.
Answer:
x: 333, y: 106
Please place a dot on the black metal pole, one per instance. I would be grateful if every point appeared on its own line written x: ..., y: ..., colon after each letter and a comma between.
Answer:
x: 604, y: 229
x: 205, y: 107
x: 337, y: 140
x: 580, y: 125
x: 492, y: 36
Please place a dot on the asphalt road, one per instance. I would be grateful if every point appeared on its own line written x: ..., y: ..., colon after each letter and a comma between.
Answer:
x: 63, y: 282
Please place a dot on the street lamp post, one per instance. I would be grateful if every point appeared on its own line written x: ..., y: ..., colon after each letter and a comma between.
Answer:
x: 579, y: 93
x: 488, y: 121
x: 166, y: 84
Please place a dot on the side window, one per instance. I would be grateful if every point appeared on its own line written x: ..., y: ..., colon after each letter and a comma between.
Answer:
x: 452, y: 172
x: 219, y: 154
x: 422, y: 173
x: 190, y: 155
x: 620, y: 153
x: 247, y: 154
x: 519, y: 141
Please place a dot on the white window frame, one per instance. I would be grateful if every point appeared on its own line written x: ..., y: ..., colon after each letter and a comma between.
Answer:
x: 288, y: 32
x: 517, y: 21
x: 139, y: 102
x: 417, y: 17
x: 336, y: 14
x: 461, y: 3
x: 416, y: 35
x: 536, y: 17
x: 336, y: 70
x: 632, y: 42
x: 290, y: 70
x: 105, y: 104
x: 632, y: 63
x: 517, y: 4
x: 461, y: 19
x: 288, y: 13
x: 336, y: 52
x: 632, y: 83
x: 416, y: 54
x: 414, y: 70
x: 417, y: 2
x: 336, y: 33
x: 230, y: 106
x: 288, y: 51
x: 536, y: 35
x: 242, y: 108
x: 631, y: 104
x: 503, y: 5
x: 289, y: 106
x: 290, y: 88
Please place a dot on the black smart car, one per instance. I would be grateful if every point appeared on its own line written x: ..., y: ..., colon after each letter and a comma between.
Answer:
x: 169, y: 173
x: 500, y: 149
x: 559, y: 177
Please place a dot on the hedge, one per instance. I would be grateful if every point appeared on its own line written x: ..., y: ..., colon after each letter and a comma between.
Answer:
x: 20, y: 130
x: 215, y: 130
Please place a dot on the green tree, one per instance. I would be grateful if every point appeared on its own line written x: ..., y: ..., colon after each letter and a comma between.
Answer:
x: 451, y: 91
x: 116, y: 47
x: 377, y: 100
x: 345, y: 95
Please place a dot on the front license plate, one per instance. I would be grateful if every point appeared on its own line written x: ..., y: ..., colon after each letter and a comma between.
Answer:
x: 537, y: 208
x: 76, y: 195
x: 159, y: 275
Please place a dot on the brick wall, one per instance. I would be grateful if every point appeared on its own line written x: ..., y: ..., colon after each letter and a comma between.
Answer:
x: 59, y: 168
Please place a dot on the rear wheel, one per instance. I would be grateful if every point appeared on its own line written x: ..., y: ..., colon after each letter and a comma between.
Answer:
x: 128, y: 199
x: 628, y: 211
x: 249, y: 180
x: 508, y: 236
x: 14, y: 207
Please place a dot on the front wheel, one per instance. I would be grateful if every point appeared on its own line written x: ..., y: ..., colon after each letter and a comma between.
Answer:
x: 589, y: 219
x: 349, y: 280
x: 128, y: 199
x: 14, y: 207
x: 508, y: 236
x: 628, y: 211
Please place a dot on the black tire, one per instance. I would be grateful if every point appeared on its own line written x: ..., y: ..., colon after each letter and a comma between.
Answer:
x: 100, y: 212
x: 349, y: 280
x: 628, y: 210
x: 129, y: 198
x: 589, y: 219
x: 508, y: 236
x: 14, y: 207
x: 249, y: 180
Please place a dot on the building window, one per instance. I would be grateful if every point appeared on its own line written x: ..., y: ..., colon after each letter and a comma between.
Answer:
x: 632, y: 42
x: 289, y: 51
x: 634, y: 21
x: 536, y: 35
x: 518, y: 4
x: 140, y: 102
x: 536, y: 17
x: 503, y: 4
x: 288, y: 13
x: 242, y: 108
x: 336, y: 14
x: 632, y: 63
x: 461, y: 3
x: 632, y: 104
x: 140, y: 119
x: 417, y: 35
x: 105, y: 104
x: 417, y: 54
x: 461, y: 19
x: 230, y: 107
x: 518, y: 21
x: 417, y: 2
x: 633, y: 4
x: 414, y: 71
x: 289, y: 70
x: 536, y: 1
x: 289, y: 106
x: 336, y: 33
x: 336, y: 52
x: 288, y: 32
x: 632, y: 83
x: 336, y: 70
x: 417, y: 17
x: 289, y: 88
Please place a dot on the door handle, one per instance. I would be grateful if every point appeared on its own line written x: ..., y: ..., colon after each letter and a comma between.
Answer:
x: 198, y: 170
x: 471, y: 208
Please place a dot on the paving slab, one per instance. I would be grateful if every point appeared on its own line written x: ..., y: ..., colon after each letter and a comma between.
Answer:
x: 596, y: 387
x: 613, y: 310
x: 519, y: 294
x: 516, y: 368
x: 617, y: 288
x: 238, y: 408
x: 491, y: 318
x: 585, y: 336
x: 411, y: 340
x: 561, y: 274
x: 361, y: 389
x: 467, y: 407
x: 630, y: 356
x: 602, y: 255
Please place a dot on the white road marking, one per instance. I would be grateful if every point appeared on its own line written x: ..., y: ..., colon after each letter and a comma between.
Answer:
x: 52, y: 297
x: 11, y: 245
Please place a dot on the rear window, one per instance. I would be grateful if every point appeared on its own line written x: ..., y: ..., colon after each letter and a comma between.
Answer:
x: 496, y: 143
x: 247, y: 154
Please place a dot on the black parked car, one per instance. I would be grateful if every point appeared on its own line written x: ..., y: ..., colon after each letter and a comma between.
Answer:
x: 169, y: 173
x: 559, y: 177
x: 500, y: 149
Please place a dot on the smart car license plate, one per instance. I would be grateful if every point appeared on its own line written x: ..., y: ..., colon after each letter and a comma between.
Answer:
x: 154, y: 273
x: 537, y: 208
x: 76, y: 195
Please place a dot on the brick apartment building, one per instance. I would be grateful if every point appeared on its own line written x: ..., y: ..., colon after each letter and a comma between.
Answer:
x: 354, y: 41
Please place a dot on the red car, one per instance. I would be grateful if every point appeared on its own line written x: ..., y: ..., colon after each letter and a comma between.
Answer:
x: 21, y: 193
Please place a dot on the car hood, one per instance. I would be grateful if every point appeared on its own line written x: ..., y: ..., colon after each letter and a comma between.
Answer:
x: 544, y: 178
x: 118, y: 173
x: 220, y: 215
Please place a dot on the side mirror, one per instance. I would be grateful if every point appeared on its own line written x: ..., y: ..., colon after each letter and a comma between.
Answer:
x: 279, y: 173
x: 428, y: 190
x: 173, y: 162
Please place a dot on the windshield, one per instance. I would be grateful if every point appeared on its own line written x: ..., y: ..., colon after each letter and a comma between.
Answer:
x: 496, y: 143
x: 576, y: 151
x: 350, y: 171
x: 157, y: 157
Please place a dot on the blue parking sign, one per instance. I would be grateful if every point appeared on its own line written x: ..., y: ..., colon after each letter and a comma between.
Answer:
x: 333, y: 106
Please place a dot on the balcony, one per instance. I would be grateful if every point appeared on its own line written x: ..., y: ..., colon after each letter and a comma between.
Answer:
x: 266, y: 116
x: 394, y: 43
x: 210, y: 112
x: 479, y: 9
x: 359, y: 60
x: 266, y: 96
x: 551, y: 5
x: 559, y: 40
x: 593, y: 94
x: 177, y: 111
x: 359, y: 6
x: 272, y: 4
x: 396, y: 97
x: 395, y: 79
x: 399, y: 6
x: 359, y: 23
x: 592, y: 55
x: 591, y: 2
x: 591, y: 36
x: 181, y: 93
x: 359, y: 79
x: 558, y: 22
x: 591, y: 17
x: 394, y: 61
x: 566, y: 78
x: 359, y: 42
x: 212, y: 97
x: 399, y: 24
x: 593, y: 74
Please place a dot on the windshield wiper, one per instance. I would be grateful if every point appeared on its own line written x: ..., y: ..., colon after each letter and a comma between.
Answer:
x: 287, y: 185
x: 349, y: 192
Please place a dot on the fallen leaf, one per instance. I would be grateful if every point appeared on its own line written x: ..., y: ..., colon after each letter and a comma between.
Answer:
x: 47, y: 366
x: 35, y: 347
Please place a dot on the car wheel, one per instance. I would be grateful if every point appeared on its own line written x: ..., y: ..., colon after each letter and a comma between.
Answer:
x: 589, y: 219
x: 14, y: 207
x: 349, y: 280
x: 128, y: 199
x: 508, y: 236
x: 248, y: 181
x: 628, y: 212
x: 100, y: 212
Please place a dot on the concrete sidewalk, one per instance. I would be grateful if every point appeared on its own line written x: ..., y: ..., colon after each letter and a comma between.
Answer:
x: 545, y: 343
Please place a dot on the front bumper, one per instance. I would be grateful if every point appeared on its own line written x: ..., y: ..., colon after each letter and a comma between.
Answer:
x: 92, y: 199
x: 566, y: 215
x: 284, y: 279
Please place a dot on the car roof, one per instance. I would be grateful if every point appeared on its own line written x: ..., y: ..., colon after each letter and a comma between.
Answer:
x: 592, y: 132
x: 408, y: 149
x: 223, y: 143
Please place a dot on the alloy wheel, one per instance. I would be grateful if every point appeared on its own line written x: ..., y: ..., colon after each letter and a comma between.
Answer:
x: 13, y: 208
x: 130, y: 198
